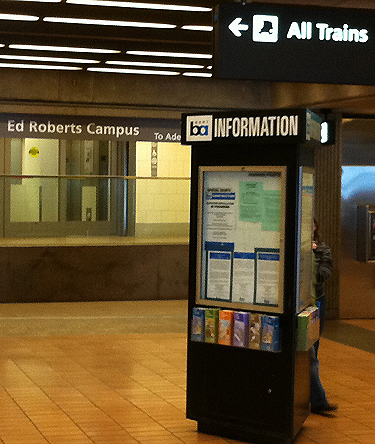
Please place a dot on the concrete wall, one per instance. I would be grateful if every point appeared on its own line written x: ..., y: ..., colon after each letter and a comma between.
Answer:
x: 83, y: 93
x: 89, y: 273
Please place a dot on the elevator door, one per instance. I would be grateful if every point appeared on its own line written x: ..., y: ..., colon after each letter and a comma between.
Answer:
x: 61, y: 187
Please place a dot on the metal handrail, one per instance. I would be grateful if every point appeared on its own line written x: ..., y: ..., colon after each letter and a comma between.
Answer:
x: 45, y: 176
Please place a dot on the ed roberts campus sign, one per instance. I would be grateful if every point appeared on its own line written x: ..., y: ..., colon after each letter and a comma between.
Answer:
x: 290, y: 43
x: 89, y: 128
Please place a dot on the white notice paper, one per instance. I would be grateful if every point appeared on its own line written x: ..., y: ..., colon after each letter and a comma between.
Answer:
x: 243, y: 277
x: 221, y: 220
x: 219, y: 275
x: 267, y: 278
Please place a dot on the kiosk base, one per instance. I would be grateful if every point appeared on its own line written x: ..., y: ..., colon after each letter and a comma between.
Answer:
x: 240, y: 433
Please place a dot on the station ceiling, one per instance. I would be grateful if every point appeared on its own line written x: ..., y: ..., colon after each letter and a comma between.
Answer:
x: 171, y: 38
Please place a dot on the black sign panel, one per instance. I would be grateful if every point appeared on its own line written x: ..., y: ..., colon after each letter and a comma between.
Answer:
x: 89, y: 128
x: 252, y: 126
x: 294, y: 43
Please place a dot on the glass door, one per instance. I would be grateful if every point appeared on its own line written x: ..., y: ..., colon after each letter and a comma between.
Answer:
x: 60, y: 188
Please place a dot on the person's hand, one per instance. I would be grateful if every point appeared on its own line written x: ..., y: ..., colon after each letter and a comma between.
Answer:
x: 314, y: 245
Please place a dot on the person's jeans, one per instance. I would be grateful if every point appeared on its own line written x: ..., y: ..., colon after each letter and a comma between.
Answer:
x: 317, y: 393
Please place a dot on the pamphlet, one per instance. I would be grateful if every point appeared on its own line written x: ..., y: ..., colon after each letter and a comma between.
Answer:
x: 241, y: 329
x: 212, y: 324
x: 197, y: 327
x: 226, y: 327
x: 270, y: 333
x: 255, y: 330
x: 308, y: 328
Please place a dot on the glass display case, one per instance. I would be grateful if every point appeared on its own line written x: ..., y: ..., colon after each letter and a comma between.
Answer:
x: 241, y: 237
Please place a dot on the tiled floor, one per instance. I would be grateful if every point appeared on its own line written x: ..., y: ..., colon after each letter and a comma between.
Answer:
x: 94, y: 373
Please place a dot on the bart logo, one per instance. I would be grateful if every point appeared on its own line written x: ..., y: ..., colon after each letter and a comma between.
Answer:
x: 265, y: 28
x: 199, y: 128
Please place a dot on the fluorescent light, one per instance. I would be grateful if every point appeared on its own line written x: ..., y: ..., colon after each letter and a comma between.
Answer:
x: 324, y: 132
x: 63, y: 49
x: 78, y: 21
x: 135, y: 71
x: 40, y: 1
x: 155, y: 64
x: 197, y: 28
x: 197, y: 74
x: 29, y: 66
x: 47, y: 59
x: 121, y: 4
x: 23, y: 18
x: 170, y: 54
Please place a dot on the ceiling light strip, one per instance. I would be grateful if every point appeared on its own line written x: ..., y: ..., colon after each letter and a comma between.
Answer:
x: 135, y: 71
x: 63, y: 49
x: 170, y: 54
x: 139, y: 5
x: 197, y: 74
x: 40, y: 1
x: 95, y: 22
x: 30, y: 66
x: 19, y: 17
x: 155, y: 64
x: 197, y: 28
x: 47, y: 59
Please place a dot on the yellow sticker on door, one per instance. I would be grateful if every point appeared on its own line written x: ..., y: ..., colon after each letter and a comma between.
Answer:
x: 34, y: 151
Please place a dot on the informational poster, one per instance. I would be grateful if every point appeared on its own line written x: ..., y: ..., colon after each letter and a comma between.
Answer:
x: 219, y: 265
x: 250, y: 201
x: 267, y: 276
x: 243, y: 284
x: 241, y: 237
x: 220, y: 217
x: 272, y: 210
x: 306, y: 228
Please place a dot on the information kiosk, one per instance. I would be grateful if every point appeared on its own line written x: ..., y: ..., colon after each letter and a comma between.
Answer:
x: 250, y: 271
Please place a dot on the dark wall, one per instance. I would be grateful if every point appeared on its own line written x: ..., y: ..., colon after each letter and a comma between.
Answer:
x: 328, y: 210
x: 100, y: 273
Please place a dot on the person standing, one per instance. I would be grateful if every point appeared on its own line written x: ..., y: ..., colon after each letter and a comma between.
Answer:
x: 323, y: 268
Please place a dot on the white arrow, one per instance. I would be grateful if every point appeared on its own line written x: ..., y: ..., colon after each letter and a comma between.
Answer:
x: 236, y: 27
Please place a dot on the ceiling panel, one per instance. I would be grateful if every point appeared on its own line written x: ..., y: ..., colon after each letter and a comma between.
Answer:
x: 125, y: 29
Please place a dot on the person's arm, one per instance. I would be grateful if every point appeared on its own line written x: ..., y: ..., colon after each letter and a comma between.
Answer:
x: 324, y: 263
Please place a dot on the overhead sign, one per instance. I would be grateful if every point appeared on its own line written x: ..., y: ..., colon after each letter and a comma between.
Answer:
x: 286, y: 43
x: 89, y: 128
x: 252, y: 126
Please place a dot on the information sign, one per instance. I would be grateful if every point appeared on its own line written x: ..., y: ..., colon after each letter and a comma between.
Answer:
x: 289, y: 43
x: 50, y: 126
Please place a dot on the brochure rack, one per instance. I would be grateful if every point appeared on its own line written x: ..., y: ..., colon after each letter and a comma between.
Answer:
x: 250, y: 251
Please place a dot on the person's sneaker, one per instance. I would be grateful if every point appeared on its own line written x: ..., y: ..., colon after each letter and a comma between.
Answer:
x: 326, y: 409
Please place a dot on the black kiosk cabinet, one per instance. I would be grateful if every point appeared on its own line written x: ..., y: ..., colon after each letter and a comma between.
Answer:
x: 250, y: 270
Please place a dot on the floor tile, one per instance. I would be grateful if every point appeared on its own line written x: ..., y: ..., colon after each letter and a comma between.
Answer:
x: 112, y: 386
